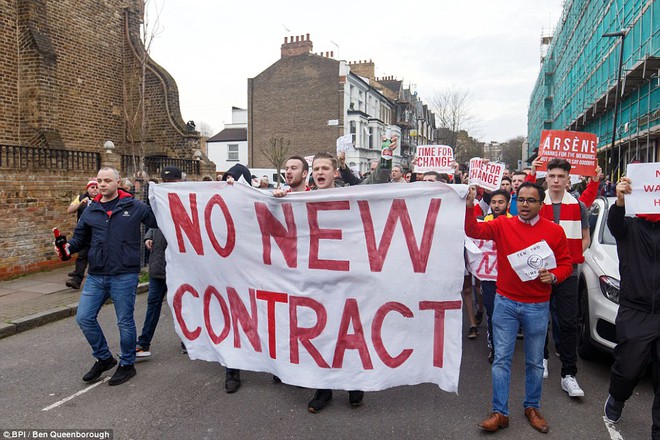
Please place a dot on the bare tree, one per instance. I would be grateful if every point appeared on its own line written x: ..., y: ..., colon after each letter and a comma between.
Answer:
x: 205, y: 129
x: 276, y: 153
x: 453, y: 114
x: 135, y: 104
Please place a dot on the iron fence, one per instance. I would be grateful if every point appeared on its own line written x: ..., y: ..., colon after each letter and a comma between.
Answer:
x: 154, y: 165
x: 19, y: 157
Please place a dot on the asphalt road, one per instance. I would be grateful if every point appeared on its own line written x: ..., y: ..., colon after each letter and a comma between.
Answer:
x: 175, y: 398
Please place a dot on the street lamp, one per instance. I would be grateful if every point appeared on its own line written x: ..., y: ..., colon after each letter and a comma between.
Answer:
x: 620, y: 34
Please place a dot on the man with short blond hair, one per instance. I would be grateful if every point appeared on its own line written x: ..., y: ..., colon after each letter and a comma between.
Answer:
x: 111, y: 227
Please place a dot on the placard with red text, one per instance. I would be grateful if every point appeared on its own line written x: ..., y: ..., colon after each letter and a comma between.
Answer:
x: 645, y: 195
x: 437, y: 158
x: 577, y: 147
x: 487, y: 175
x: 348, y: 288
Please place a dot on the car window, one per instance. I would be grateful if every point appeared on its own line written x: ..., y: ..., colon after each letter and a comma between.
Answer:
x: 606, y: 236
x: 593, y: 219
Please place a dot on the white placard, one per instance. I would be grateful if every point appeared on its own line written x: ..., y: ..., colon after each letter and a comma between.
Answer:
x: 345, y: 143
x: 645, y: 195
x: 527, y: 262
x: 487, y: 175
x: 437, y: 158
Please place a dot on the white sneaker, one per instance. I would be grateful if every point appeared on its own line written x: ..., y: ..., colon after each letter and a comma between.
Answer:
x: 545, y: 368
x: 142, y: 353
x: 570, y: 385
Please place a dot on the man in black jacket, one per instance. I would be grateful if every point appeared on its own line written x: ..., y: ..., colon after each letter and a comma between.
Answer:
x: 110, y: 226
x: 638, y: 318
x: 154, y: 240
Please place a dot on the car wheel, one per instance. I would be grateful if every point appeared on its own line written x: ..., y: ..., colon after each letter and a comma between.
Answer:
x: 586, y: 347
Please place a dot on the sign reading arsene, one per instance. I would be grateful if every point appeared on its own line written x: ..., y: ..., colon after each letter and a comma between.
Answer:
x: 350, y: 288
x: 578, y: 148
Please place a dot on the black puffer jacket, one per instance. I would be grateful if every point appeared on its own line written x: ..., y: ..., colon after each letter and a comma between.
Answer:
x: 638, y: 247
x: 157, y: 254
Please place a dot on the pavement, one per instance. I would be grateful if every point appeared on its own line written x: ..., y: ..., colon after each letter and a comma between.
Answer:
x: 36, y: 299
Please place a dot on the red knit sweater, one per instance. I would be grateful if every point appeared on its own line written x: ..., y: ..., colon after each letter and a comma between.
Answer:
x: 512, y: 235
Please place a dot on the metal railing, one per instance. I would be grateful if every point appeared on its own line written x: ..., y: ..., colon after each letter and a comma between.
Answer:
x: 17, y: 157
x: 153, y: 165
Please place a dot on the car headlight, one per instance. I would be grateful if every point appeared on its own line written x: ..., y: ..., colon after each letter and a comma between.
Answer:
x: 610, y: 288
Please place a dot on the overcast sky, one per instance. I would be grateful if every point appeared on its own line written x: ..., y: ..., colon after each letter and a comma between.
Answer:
x: 490, y: 47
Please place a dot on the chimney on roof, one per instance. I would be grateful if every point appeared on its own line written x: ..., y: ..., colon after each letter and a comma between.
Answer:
x: 302, y: 45
x: 364, y: 68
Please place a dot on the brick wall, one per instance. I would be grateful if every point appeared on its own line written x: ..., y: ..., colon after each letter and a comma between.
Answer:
x: 66, y: 70
x: 31, y: 205
x: 294, y: 99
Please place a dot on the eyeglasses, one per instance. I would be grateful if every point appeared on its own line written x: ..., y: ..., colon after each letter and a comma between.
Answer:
x: 529, y: 201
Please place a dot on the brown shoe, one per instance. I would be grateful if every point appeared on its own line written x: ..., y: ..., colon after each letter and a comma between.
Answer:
x: 536, y: 420
x: 494, y: 422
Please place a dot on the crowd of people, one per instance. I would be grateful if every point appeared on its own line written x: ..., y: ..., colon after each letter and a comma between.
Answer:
x: 523, y: 212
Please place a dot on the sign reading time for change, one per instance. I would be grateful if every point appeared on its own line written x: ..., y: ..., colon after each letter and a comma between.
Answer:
x: 437, y: 158
x: 351, y: 288
x: 578, y: 148
x: 487, y: 175
x: 645, y: 195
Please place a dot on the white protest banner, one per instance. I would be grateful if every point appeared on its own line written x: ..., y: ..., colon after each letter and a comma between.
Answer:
x: 645, y: 195
x: 487, y: 175
x: 527, y: 262
x: 345, y: 143
x: 437, y: 158
x: 348, y: 288
x: 482, y: 258
x: 577, y: 147
x: 309, y: 160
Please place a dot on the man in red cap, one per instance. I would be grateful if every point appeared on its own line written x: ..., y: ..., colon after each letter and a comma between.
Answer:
x: 78, y: 205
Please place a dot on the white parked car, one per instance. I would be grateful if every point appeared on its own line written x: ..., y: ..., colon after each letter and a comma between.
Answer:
x: 598, y: 285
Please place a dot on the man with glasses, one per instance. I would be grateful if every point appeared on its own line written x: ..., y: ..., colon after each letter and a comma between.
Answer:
x: 520, y: 303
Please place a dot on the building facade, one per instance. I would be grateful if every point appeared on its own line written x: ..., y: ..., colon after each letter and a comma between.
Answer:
x: 577, y: 86
x: 230, y: 146
x: 70, y: 73
x: 312, y: 99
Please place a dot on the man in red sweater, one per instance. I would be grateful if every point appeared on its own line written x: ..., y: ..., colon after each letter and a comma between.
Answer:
x: 570, y: 213
x: 520, y: 303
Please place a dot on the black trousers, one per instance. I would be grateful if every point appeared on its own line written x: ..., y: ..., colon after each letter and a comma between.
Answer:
x: 565, y: 312
x: 81, y: 264
x: 638, y: 344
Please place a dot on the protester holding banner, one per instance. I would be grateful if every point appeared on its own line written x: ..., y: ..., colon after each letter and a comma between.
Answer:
x: 321, y: 163
x: 638, y: 317
x: 534, y: 245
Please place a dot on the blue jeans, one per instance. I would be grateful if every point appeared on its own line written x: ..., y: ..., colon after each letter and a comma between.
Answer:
x: 508, y: 316
x: 98, y: 288
x: 157, y: 291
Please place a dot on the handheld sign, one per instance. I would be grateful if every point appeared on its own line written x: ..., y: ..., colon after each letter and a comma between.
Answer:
x: 345, y: 143
x: 437, y: 158
x: 578, y: 148
x: 527, y: 262
x: 487, y: 175
x: 645, y: 195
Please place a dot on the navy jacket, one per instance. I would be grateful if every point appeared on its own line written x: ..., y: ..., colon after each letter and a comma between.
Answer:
x: 114, y: 238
